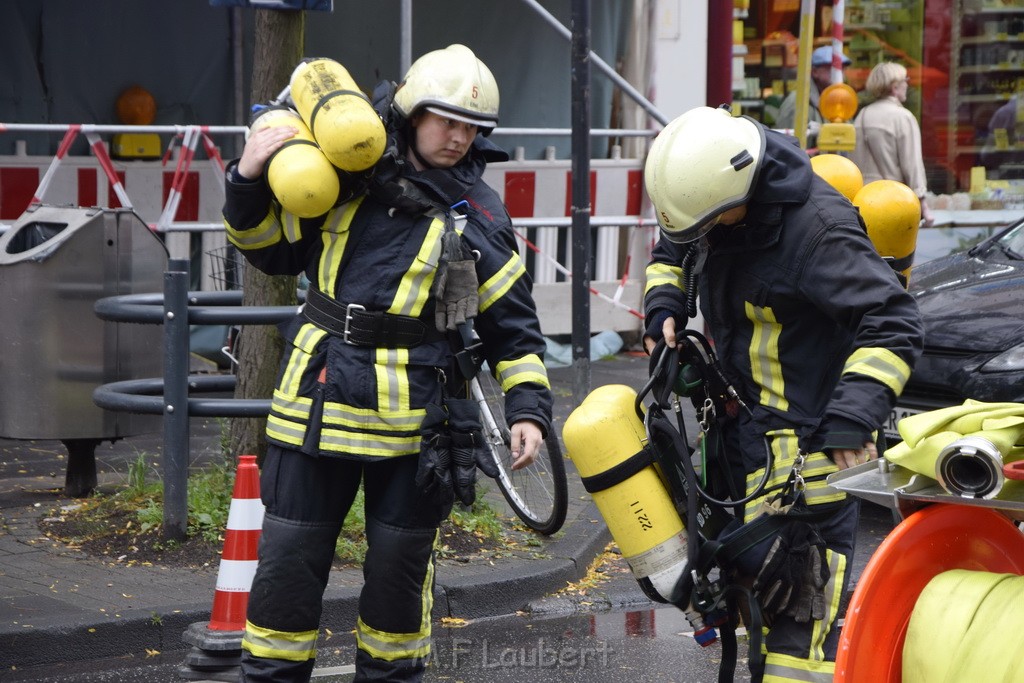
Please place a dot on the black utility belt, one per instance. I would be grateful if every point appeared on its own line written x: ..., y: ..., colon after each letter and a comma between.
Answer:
x: 359, y: 327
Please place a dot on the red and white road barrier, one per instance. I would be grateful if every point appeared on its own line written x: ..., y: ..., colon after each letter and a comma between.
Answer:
x: 189, y: 198
x: 62, y: 151
x: 99, y: 150
x: 238, y: 561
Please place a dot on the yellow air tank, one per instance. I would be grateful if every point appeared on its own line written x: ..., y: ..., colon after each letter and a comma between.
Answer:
x: 892, y: 214
x: 839, y: 172
x: 342, y: 120
x: 299, y: 175
x: 601, y: 434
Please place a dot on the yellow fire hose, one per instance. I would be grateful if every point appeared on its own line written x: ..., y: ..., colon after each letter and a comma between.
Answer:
x: 964, y: 447
x: 966, y: 626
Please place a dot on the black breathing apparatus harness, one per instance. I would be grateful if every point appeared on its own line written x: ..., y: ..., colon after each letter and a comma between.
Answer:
x: 707, y: 590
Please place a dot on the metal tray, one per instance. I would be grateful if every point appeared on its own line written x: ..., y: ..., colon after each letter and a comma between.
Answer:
x: 904, y: 491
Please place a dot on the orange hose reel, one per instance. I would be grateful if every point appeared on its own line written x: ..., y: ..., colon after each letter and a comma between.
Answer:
x: 933, y: 540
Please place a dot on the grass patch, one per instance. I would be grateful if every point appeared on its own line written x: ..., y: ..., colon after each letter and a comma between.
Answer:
x: 127, y: 524
x: 465, y: 528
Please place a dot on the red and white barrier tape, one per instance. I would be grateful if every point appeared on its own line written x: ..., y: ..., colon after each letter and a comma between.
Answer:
x: 565, y: 271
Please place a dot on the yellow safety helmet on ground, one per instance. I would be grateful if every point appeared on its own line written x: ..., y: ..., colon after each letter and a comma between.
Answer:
x: 702, y: 164
x: 451, y: 82
x: 892, y: 214
x: 840, y: 172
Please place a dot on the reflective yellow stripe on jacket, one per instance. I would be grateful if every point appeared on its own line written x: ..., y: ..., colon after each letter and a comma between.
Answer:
x: 663, y: 274
x: 529, y: 368
x: 784, y: 448
x: 267, y: 233
x: 500, y: 282
x: 765, y: 367
x: 880, y: 364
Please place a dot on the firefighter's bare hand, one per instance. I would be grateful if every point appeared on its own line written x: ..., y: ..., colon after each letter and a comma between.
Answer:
x: 526, y: 439
x: 849, y: 457
x: 668, y: 330
x: 260, y: 146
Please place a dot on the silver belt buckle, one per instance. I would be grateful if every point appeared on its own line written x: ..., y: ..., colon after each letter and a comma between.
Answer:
x: 348, y: 319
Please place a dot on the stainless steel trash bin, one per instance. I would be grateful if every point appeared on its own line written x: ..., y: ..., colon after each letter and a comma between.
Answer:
x: 55, y: 262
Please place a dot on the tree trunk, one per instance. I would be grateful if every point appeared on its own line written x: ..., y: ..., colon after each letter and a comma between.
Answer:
x: 278, y: 49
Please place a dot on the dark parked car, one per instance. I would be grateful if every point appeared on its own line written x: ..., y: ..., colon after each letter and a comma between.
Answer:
x: 972, y: 303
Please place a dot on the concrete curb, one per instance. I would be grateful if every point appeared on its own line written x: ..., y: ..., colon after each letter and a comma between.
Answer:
x: 510, y: 588
x: 81, y: 638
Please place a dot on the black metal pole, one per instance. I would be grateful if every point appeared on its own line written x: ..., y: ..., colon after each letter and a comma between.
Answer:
x: 580, y: 200
x: 176, y: 427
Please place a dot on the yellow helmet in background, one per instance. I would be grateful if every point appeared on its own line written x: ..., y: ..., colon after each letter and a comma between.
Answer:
x: 451, y: 82
x: 892, y: 214
x: 839, y: 172
x: 703, y: 163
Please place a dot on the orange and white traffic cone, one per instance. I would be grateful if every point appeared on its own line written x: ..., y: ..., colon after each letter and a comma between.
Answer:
x: 217, y: 644
x: 238, y: 561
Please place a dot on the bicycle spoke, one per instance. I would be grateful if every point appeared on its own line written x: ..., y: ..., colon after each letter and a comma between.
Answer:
x: 536, y: 493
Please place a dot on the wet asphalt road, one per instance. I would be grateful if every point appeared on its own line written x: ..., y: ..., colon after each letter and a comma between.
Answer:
x: 642, y: 645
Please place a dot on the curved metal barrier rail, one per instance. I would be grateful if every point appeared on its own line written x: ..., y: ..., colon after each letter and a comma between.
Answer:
x: 177, y: 308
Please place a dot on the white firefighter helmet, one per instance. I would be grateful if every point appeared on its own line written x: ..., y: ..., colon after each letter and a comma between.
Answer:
x: 451, y: 82
x: 702, y: 164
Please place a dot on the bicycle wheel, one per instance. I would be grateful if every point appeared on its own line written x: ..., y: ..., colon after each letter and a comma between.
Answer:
x: 537, y: 493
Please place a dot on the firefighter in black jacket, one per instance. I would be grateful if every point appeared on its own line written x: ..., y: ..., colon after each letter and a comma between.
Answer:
x: 812, y: 328
x: 363, y: 379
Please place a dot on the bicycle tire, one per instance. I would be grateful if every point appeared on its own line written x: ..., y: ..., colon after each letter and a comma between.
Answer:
x: 538, y: 494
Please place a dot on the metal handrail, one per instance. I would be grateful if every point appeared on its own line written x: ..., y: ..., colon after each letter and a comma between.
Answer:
x: 176, y: 308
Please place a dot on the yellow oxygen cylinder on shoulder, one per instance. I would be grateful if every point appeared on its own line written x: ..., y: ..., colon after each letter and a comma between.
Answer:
x: 342, y: 120
x: 602, y: 434
x: 300, y: 176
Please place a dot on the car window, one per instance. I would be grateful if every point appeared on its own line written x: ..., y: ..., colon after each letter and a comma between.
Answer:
x: 1013, y: 242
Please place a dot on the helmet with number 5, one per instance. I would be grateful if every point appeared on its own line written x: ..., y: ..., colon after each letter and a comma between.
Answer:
x: 702, y: 164
x: 451, y: 82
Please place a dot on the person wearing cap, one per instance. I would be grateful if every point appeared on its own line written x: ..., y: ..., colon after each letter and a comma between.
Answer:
x: 813, y: 330
x: 821, y: 78
x: 888, y: 135
x: 369, y: 389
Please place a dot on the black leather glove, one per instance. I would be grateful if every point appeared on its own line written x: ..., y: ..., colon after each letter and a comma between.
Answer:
x: 468, y: 448
x: 792, y: 577
x: 434, y: 470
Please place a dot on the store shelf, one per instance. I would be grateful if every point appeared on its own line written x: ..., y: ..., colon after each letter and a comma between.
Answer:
x: 988, y: 40
x: 986, y: 71
x: 993, y: 97
x: 992, y: 10
x: 977, y: 149
x: 988, y: 68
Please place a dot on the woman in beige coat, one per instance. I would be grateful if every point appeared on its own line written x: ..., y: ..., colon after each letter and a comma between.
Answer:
x: 888, y: 135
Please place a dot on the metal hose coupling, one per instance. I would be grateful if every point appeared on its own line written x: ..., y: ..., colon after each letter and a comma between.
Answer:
x: 971, y: 467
